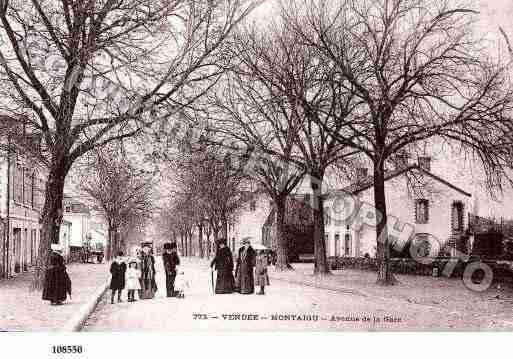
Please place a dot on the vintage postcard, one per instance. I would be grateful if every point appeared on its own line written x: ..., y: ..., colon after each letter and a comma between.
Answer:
x: 246, y: 165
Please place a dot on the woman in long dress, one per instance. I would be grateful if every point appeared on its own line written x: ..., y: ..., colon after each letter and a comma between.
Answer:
x: 223, y: 264
x: 148, y: 283
x: 57, y: 284
x: 244, y: 278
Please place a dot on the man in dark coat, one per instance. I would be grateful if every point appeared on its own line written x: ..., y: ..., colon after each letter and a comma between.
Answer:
x: 223, y: 264
x: 171, y: 260
x: 244, y: 278
x: 117, y: 283
x: 57, y: 283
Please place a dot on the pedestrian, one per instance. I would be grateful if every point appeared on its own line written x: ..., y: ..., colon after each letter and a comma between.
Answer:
x: 244, y: 278
x: 182, y: 284
x: 117, y: 282
x: 262, y: 278
x: 223, y: 264
x: 148, y: 284
x: 171, y: 261
x: 57, y: 284
x: 133, y: 274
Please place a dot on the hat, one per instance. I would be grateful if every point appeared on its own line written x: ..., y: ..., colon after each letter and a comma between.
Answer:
x: 167, y: 245
x: 56, y: 247
x: 133, y: 260
x: 221, y: 241
x: 246, y: 240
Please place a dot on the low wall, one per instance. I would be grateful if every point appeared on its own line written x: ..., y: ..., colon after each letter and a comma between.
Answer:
x: 503, y: 270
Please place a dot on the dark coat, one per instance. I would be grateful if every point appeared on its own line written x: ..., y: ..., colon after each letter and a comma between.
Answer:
x: 171, y: 260
x: 118, y: 276
x: 57, y: 283
x: 244, y: 277
x: 223, y: 263
x: 148, y: 283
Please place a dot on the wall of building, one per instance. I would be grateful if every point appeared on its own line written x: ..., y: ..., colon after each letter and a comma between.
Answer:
x: 249, y: 222
x: 26, y: 201
x: 401, y: 205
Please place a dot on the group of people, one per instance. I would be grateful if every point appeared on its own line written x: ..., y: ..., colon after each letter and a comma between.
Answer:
x: 250, y: 269
x: 137, y: 274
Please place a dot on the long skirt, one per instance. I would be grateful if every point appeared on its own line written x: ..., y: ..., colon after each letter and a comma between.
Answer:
x: 245, y: 282
x: 148, y: 289
x: 225, y: 282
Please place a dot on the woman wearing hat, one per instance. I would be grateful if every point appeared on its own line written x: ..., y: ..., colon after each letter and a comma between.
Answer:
x: 148, y: 283
x: 223, y: 264
x: 244, y: 277
x: 171, y: 261
x: 57, y: 283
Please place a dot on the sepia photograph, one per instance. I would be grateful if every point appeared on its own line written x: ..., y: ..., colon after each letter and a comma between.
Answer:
x: 210, y: 166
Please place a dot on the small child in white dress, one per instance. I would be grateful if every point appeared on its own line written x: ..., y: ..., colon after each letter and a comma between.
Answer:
x: 181, y: 284
x: 132, y: 279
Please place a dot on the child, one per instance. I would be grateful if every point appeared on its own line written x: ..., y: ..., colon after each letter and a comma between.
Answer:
x: 117, y: 283
x: 132, y: 279
x: 262, y: 279
x: 181, y: 284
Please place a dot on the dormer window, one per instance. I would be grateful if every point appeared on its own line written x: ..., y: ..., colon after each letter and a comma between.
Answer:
x: 421, y: 211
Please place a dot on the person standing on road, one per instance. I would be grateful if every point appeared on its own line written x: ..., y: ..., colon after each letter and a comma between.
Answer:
x: 117, y: 282
x: 57, y: 283
x: 262, y: 278
x: 244, y: 279
x: 223, y: 264
x: 132, y: 279
x: 171, y: 261
x: 148, y: 283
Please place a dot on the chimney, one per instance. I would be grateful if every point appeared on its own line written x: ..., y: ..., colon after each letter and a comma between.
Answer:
x: 361, y: 173
x: 425, y: 163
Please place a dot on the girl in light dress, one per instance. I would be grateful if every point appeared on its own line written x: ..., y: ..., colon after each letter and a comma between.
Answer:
x: 133, y: 276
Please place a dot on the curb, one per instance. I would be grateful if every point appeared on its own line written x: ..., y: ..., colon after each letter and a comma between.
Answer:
x: 76, y: 323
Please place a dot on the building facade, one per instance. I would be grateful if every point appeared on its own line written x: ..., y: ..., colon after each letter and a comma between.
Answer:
x: 79, y: 215
x: 22, y: 183
x: 249, y: 221
x: 420, y: 206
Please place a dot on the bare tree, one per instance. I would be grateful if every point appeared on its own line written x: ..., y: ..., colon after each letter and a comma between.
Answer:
x: 121, y: 192
x: 421, y: 75
x: 86, y: 73
x: 289, y: 81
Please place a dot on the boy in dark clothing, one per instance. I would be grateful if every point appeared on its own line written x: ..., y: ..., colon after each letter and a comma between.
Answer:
x: 117, y: 283
x: 171, y: 260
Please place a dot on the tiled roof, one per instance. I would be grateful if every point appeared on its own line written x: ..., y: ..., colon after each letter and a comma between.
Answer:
x: 368, y: 181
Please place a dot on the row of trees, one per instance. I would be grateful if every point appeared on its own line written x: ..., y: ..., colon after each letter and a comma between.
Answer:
x: 333, y: 83
x: 208, y: 189
x: 84, y: 74
x: 122, y: 194
x: 327, y: 83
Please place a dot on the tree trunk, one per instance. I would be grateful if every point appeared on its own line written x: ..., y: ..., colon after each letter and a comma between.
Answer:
x: 385, y: 275
x: 320, y: 261
x: 182, y: 245
x: 282, y: 260
x: 51, y: 219
x: 111, y: 244
x: 200, y: 240
x: 224, y: 228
